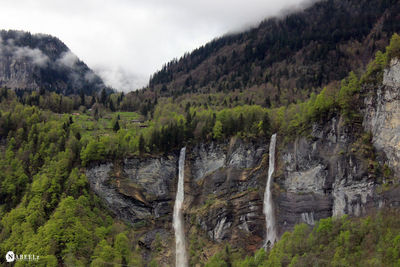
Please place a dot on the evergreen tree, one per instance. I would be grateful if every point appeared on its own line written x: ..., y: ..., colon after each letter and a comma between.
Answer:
x: 116, y: 126
x: 266, y: 125
x: 103, y: 97
x: 82, y: 98
x: 141, y: 144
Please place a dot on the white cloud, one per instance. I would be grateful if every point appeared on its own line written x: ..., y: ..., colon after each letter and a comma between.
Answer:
x: 119, y: 78
x: 135, y: 36
x: 34, y: 55
x: 67, y: 59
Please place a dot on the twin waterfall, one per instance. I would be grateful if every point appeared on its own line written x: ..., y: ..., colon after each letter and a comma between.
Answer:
x: 268, y: 205
x: 180, y: 249
x: 181, y: 256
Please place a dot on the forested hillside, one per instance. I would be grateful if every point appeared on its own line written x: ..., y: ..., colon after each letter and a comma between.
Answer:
x: 285, y: 58
x: 88, y: 176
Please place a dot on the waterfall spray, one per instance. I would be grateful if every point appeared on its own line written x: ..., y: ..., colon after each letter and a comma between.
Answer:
x: 268, y: 204
x: 180, y: 244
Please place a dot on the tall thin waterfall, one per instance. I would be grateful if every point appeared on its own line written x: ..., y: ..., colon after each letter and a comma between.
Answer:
x: 180, y: 250
x: 268, y: 205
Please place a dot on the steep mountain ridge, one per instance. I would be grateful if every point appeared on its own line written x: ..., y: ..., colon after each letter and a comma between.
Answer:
x: 286, y: 58
x: 43, y: 62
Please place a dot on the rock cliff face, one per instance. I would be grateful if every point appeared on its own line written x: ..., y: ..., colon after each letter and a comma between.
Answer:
x: 382, y: 116
x: 136, y: 189
x: 324, y: 174
x: 226, y: 201
x: 322, y: 177
x: 33, y: 62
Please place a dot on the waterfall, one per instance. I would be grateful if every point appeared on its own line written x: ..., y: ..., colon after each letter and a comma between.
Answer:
x: 308, y: 217
x: 268, y: 205
x: 180, y: 244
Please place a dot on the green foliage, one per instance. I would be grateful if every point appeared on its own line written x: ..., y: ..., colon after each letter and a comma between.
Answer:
x: 349, y: 87
x: 393, y: 50
x: 217, y: 130
x: 13, y: 179
x: 374, y: 73
x: 373, y: 240
x: 45, y: 206
x: 216, y: 261
x: 222, y: 259
x: 95, y: 150
x: 121, y: 245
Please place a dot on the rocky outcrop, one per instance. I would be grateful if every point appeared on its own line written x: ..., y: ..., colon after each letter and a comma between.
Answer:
x: 326, y: 175
x: 227, y: 203
x: 322, y: 177
x: 136, y: 189
x: 382, y: 116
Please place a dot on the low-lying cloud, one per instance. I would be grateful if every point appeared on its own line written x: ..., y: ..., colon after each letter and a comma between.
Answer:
x: 67, y: 59
x: 35, y: 56
x: 118, y: 78
x: 128, y: 40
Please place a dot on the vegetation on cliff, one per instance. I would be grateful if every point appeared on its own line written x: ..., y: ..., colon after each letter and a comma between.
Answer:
x: 370, y: 241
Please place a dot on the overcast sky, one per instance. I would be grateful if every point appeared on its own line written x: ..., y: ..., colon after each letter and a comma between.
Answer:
x: 125, y: 41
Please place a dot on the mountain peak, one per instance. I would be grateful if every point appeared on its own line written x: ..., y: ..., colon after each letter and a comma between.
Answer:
x: 40, y: 61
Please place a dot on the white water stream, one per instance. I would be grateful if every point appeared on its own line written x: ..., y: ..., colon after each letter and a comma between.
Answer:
x: 180, y: 243
x: 270, y: 238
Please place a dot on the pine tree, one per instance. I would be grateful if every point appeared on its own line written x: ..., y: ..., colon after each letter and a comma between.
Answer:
x: 141, y: 144
x: 116, y: 126
x: 103, y: 97
x: 266, y: 125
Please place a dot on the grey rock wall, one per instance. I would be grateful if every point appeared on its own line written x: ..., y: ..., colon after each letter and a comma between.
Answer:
x: 139, y: 189
x: 382, y: 116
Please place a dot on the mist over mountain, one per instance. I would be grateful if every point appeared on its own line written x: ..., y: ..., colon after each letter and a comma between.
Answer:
x: 290, y: 55
x: 43, y: 62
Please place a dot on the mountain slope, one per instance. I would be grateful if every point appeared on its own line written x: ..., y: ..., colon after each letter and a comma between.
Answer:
x: 304, y: 50
x: 33, y: 62
x: 345, y: 162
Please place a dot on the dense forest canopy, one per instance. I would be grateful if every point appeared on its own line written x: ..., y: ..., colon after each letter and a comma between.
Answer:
x: 289, y: 56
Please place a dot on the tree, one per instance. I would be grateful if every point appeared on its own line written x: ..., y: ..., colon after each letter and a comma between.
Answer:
x: 111, y: 105
x: 141, y: 144
x: 94, y: 151
x: 266, y: 125
x: 121, y: 245
x: 268, y: 102
x: 217, y: 130
x: 103, y: 97
x: 82, y: 98
x: 348, y: 88
x: 116, y: 126
x: 96, y: 113
x: 393, y: 50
